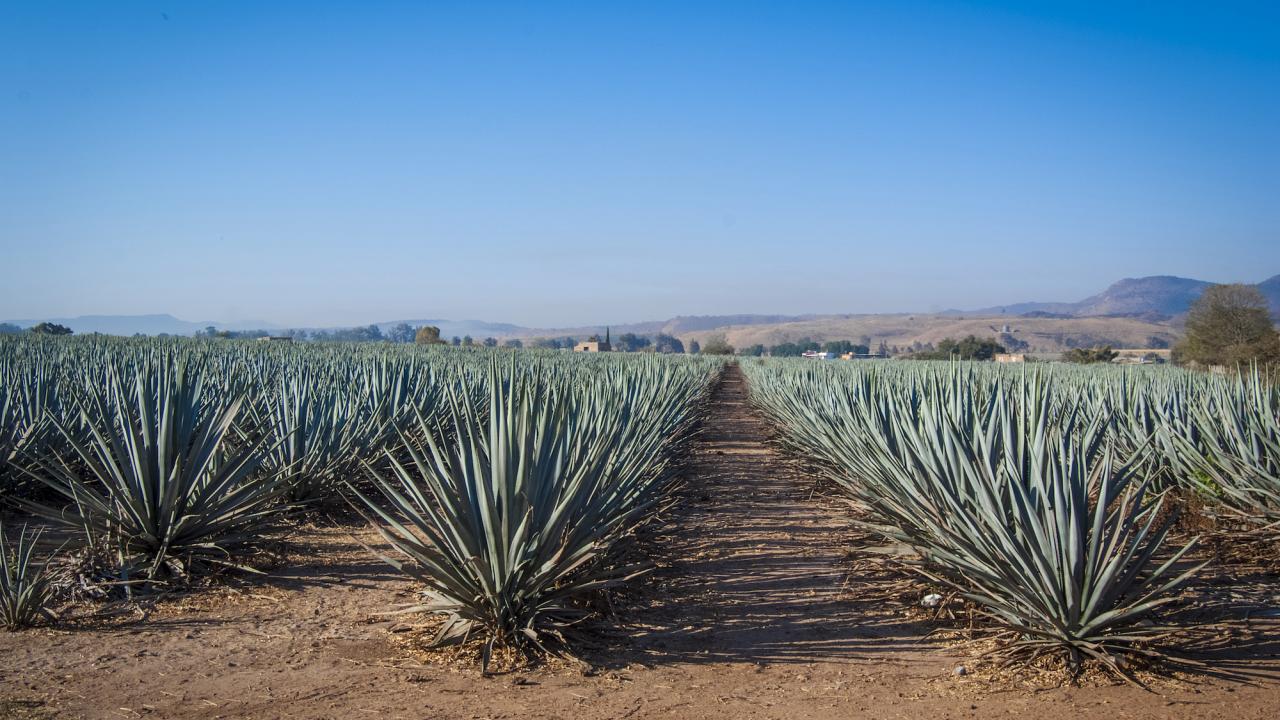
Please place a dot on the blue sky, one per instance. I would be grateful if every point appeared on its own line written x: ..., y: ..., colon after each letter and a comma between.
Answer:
x: 566, y: 163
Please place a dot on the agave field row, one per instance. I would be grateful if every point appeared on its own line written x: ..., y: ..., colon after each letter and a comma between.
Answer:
x: 508, y: 483
x: 1046, y: 496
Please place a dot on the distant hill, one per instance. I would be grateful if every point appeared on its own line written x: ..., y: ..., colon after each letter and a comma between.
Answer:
x: 676, y: 326
x: 145, y: 324
x: 1160, y: 294
x: 1271, y: 289
x: 1152, y: 302
x: 1033, y: 334
x: 1155, y: 297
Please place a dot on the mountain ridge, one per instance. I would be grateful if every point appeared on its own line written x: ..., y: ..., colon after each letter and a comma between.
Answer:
x: 1152, y: 296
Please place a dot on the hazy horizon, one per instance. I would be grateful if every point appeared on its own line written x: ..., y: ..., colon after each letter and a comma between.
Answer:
x: 574, y: 164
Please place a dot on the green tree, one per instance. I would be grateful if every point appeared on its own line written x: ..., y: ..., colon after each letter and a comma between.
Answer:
x: 717, y: 345
x: 490, y: 342
x: 368, y: 333
x: 667, y: 344
x: 1087, y: 356
x: 513, y: 343
x: 694, y: 347
x: 754, y: 351
x: 970, y: 348
x: 428, y: 335
x: 402, y: 333
x: 841, y: 347
x: 47, y: 328
x: 1229, y: 325
x: 630, y: 342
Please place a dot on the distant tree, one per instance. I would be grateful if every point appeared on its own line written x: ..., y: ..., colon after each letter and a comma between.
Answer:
x: 841, y: 347
x: 46, y: 328
x: 754, y: 351
x: 9, y: 329
x: 717, y: 345
x: 456, y: 341
x: 630, y: 342
x: 970, y: 348
x: 1229, y: 325
x: 1088, y: 356
x: 694, y: 347
x: 667, y: 344
x: 1014, y: 344
x: 427, y: 335
x: 786, y: 349
x: 467, y: 341
x: 402, y: 333
x: 490, y: 342
x: 795, y: 349
x: 545, y: 343
x: 513, y: 343
x: 367, y: 333
x: 208, y: 331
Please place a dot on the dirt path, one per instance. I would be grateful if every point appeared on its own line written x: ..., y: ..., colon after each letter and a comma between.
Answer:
x: 756, y: 567
x: 755, y: 612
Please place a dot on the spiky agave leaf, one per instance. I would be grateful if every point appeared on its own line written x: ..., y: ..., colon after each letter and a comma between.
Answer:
x: 1009, y: 493
x: 28, y: 395
x: 317, y: 433
x: 514, y: 519
x: 151, y: 475
x: 1234, y: 453
x: 26, y: 589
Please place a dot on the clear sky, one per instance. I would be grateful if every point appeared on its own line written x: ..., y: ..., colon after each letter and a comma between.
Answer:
x: 553, y: 164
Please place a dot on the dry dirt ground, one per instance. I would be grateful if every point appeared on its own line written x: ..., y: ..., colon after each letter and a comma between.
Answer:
x: 764, y: 605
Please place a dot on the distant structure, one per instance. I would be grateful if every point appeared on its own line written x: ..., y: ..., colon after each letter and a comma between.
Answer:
x: 275, y: 338
x: 596, y: 345
x: 1010, y: 357
x: 863, y: 356
x: 819, y: 355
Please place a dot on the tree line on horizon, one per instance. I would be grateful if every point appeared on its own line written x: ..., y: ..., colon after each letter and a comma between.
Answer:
x: 1227, y: 326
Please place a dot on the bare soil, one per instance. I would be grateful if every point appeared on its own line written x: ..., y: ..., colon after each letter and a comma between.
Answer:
x: 765, y: 603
